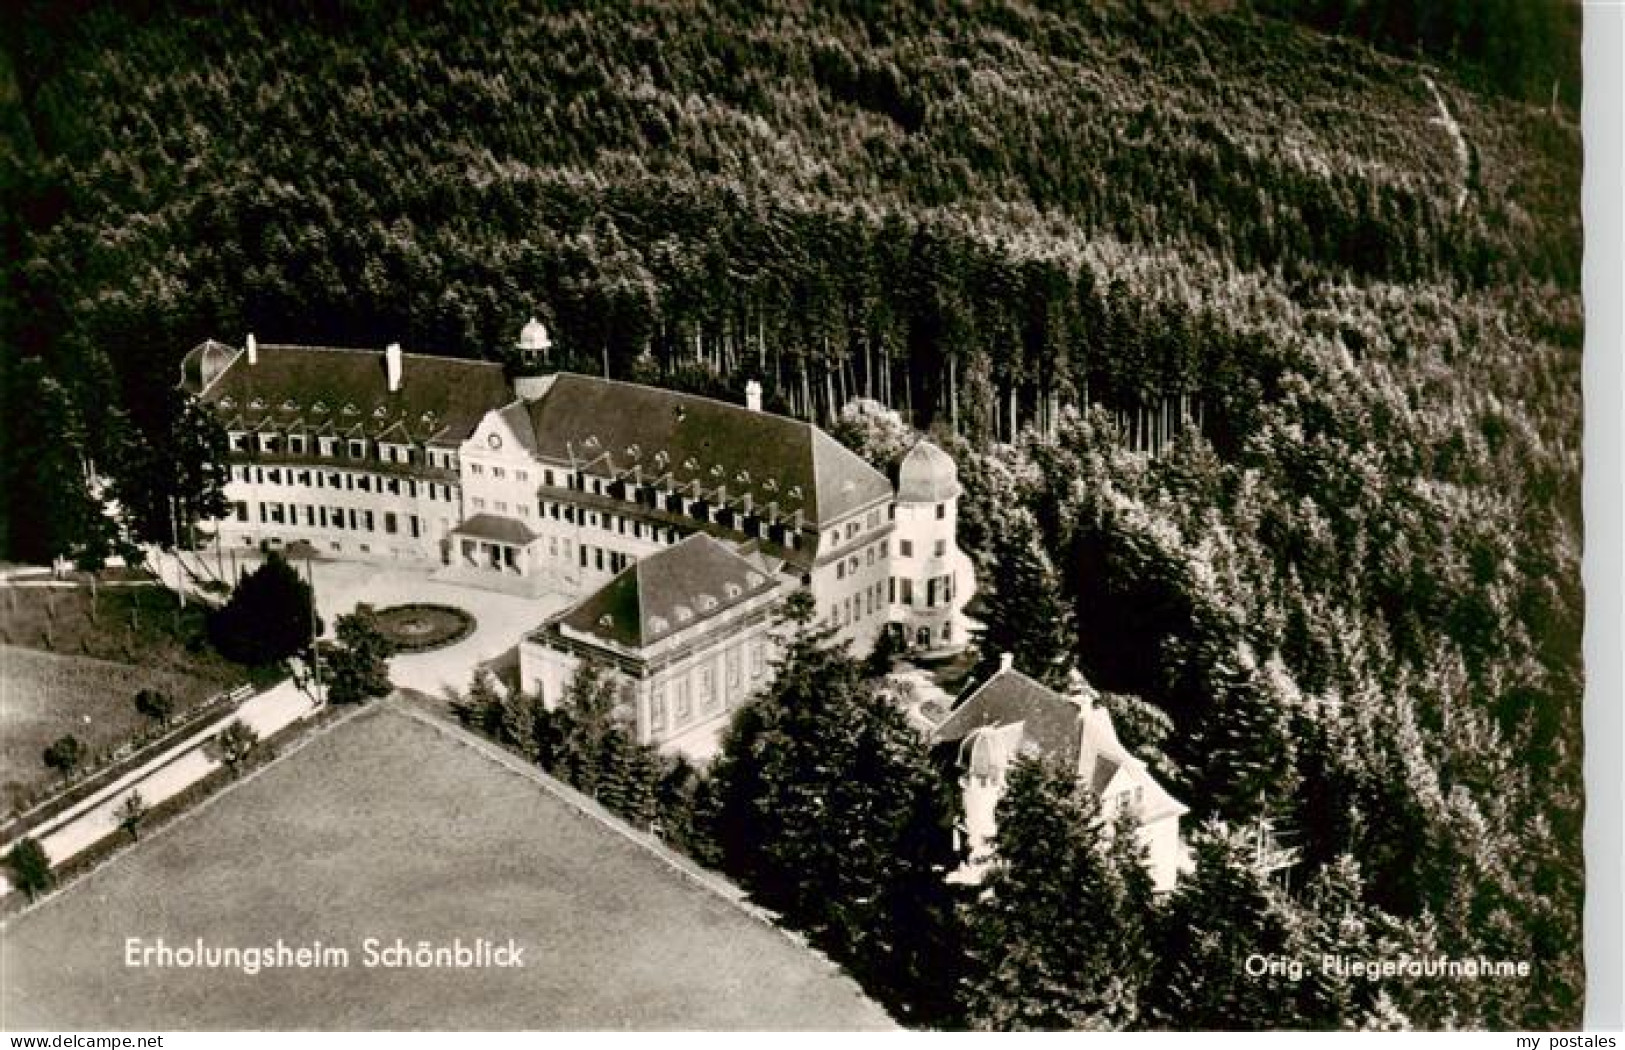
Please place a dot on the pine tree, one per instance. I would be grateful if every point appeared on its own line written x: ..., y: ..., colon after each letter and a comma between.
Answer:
x: 268, y: 618
x: 1025, y: 611
x: 1059, y: 936
x: 1222, y: 915
x: 830, y: 813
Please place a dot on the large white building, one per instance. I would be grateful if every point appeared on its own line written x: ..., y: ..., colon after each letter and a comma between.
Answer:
x: 568, y: 483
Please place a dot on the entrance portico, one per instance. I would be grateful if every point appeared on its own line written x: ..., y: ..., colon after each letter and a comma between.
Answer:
x: 493, y: 543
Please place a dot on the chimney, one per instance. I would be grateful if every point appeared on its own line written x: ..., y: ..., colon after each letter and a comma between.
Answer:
x: 1007, y: 661
x: 753, y: 396
x: 253, y: 350
x: 392, y: 366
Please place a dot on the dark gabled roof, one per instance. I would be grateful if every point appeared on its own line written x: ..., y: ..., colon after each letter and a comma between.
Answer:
x: 440, y: 397
x: 609, y: 427
x: 517, y: 418
x: 647, y: 601
x: 1009, y: 697
x: 1082, y: 739
x: 497, y: 528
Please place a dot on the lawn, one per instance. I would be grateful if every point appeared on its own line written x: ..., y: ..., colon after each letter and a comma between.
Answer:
x: 67, y: 656
x: 45, y: 695
x: 389, y: 828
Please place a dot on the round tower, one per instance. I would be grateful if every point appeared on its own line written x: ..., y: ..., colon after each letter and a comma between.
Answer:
x: 933, y: 576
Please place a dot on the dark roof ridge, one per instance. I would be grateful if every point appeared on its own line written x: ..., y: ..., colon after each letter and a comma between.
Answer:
x: 736, y: 406
x: 378, y: 352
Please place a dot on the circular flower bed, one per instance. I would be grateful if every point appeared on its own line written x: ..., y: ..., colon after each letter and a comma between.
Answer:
x: 418, y: 628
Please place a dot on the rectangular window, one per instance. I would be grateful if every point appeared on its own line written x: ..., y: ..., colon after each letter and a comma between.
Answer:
x: 582, y: 550
x: 499, y: 472
x: 479, y: 502
x: 870, y: 557
x: 685, y: 703
x: 363, y: 482
x: 296, y: 445
x: 906, y: 591
x: 598, y: 558
x: 475, y: 468
x: 941, y: 548
x: 358, y: 449
x: 501, y: 506
x: 367, y: 517
x: 891, y: 590
x: 708, y: 688
x: 758, y: 658
x: 905, y: 548
x: 413, y: 518
x: 942, y: 511
x: 547, y: 477
x: 840, y: 569
x: 521, y: 475
x: 391, y: 526
x: 242, y: 510
x: 335, y: 480
x: 657, y: 709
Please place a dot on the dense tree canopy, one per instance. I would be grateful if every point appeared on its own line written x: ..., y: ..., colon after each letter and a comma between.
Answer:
x: 1272, y: 336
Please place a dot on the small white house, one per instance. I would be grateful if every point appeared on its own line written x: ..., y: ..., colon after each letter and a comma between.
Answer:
x: 1011, y: 715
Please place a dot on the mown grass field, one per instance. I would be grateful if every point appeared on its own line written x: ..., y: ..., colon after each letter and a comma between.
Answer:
x: 45, y: 695
x: 387, y: 828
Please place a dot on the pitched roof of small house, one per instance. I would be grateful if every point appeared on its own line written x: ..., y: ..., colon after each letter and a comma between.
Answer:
x: 1078, y: 737
x: 608, y: 428
x: 672, y: 590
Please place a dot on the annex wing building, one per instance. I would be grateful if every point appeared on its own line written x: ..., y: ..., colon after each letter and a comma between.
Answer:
x: 677, y: 522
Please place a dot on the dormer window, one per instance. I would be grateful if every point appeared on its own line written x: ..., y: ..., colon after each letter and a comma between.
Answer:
x: 606, y: 620
x: 732, y: 590
x: 707, y: 603
x: 755, y: 579
x: 718, y: 472
x: 380, y: 412
x: 320, y: 408
x: 591, y: 442
x: 770, y: 485
x: 795, y: 492
x: 684, y: 613
x: 228, y: 402
x: 633, y: 452
x: 427, y: 417
x: 257, y: 403
x: 290, y: 405
x: 691, y: 465
x: 659, y: 625
x: 661, y: 459
x: 350, y: 409
x: 743, y: 477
